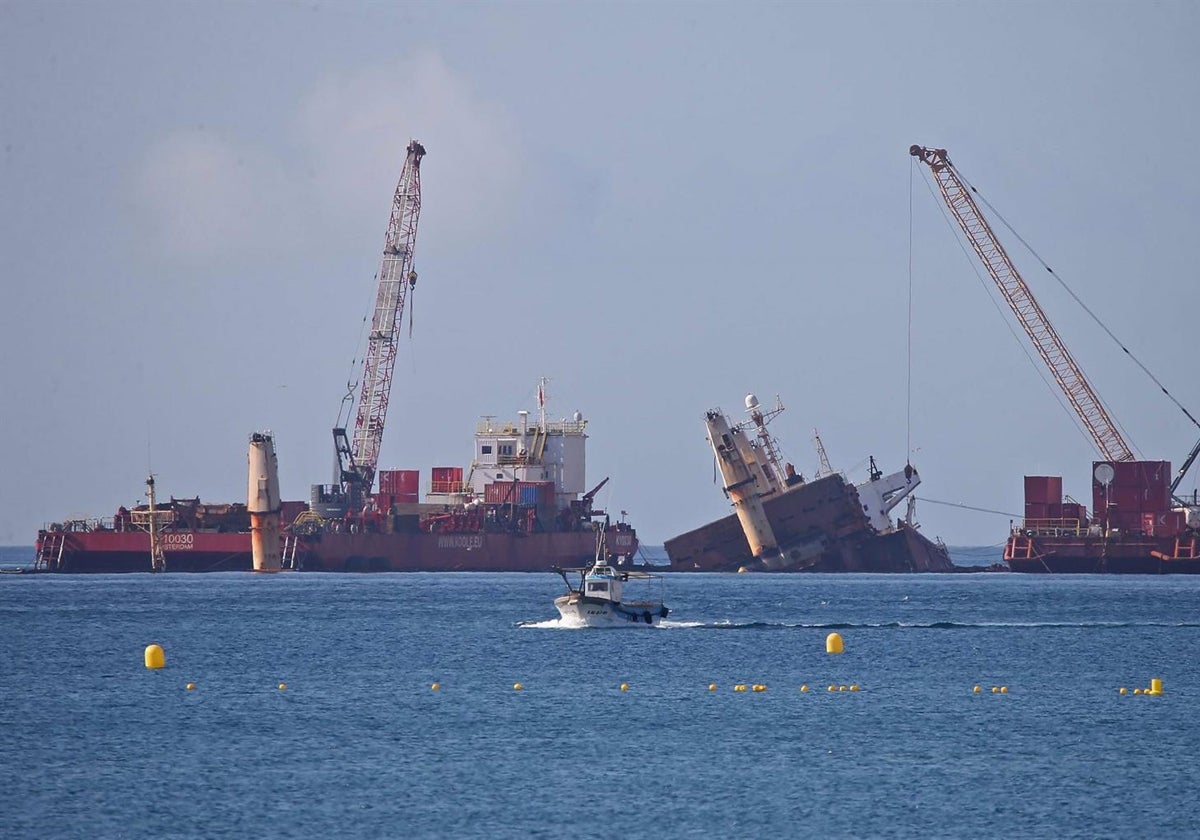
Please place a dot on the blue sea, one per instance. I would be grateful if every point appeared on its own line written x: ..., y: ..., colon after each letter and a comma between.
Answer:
x: 312, y: 713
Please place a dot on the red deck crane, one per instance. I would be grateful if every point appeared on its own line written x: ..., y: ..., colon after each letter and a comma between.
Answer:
x: 358, y: 459
x: 1079, y: 392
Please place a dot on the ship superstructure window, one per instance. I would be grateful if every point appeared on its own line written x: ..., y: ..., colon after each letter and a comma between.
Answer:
x: 486, y: 449
x: 597, y: 586
x: 506, y: 449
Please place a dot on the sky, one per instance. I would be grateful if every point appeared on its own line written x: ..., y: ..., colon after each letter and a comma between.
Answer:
x: 659, y: 206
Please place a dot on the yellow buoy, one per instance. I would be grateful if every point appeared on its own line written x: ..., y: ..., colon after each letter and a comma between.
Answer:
x: 841, y: 688
x: 741, y: 570
x: 1004, y: 689
x: 760, y: 688
x: 1123, y: 690
x: 191, y: 686
x: 995, y: 689
x: 1155, y: 685
x: 833, y: 688
x: 1137, y: 691
x: 517, y: 686
x: 833, y: 643
x: 854, y: 688
x: 435, y: 686
x: 977, y: 689
x: 282, y: 686
x: 155, y: 658
x: 803, y: 689
x: 624, y: 686
x: 712, y: 686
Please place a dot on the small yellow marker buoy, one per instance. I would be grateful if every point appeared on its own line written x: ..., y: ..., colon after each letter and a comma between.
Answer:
x: 191, y: 686
x: 995, y: 689
x: 1123, y: 690
x: 1137, y: 691
x: 283, y: 686
x: 435, y: 686
x: 803, y: 689
x: 517, y: 686
x: 1004, y: 689
x: 841, y: 688
x: 854, y: 688
x: 624, y: 686
x: 1155, y: 685
x: 155, y: 658
x: 741, y: 570
x: 760, y: 688
x: 977, y: 689
x: 833, y: 643
x: 833, y: 688
x: 712, y: 686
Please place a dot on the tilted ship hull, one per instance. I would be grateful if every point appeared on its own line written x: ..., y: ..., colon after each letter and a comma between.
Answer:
x: 823, y: 523
x: 782, y: 523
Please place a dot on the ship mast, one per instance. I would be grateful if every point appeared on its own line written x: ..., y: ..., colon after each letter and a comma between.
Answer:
x: 359, y: 459
x: 957, y: 195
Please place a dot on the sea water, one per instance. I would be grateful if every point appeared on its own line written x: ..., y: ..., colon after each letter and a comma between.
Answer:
x: 313, y: 714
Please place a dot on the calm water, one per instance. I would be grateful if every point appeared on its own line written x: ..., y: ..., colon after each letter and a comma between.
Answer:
x: 94, y: 745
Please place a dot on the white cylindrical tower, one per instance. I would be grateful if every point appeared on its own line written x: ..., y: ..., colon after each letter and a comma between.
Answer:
x: 262, y: 500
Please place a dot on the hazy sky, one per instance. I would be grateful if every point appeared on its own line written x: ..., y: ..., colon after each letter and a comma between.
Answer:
x: 659, y: 206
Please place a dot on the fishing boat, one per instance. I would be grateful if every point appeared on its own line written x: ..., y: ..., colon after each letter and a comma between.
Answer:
x: 599, y: 599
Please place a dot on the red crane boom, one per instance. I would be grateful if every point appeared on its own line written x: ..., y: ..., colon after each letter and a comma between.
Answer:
x: 396, y: 279
x: 1063, y: 368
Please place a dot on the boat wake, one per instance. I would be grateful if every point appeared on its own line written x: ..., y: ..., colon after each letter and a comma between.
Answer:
x: 940, y: 625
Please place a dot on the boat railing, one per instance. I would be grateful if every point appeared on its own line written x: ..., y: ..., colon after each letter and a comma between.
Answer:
x: 1054, y: 527
x: 553, y: 427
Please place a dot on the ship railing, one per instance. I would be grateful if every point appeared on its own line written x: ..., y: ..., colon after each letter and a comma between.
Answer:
x: 448, y: 487
x: 553, y: 427
x: 1054, y: 527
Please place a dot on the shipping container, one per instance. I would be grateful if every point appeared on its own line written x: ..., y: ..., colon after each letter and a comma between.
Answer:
x: 1073, y: 510
x: 1036, y: 510
x: 446, y: 480
x: 1043, y: 489
x: 397, y: 482
x: 527, y: 493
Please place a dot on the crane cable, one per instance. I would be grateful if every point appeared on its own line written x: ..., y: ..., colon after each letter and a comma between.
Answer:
x: 1082, y: 305
x: 968, y: 507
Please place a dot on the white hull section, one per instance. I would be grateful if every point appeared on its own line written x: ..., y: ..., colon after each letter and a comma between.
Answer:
x: 584, y: 612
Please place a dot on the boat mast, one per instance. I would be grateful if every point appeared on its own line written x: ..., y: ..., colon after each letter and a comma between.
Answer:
x: 158, y: 558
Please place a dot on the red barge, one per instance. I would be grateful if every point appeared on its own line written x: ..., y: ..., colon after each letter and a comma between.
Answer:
x: 521, y: 507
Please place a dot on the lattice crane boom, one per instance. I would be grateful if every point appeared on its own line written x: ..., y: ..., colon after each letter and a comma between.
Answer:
x: 360, y: 458
x: 957, y: 195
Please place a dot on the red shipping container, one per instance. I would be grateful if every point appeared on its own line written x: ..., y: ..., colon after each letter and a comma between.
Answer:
x: 1034, y: 510
x: 1043, y: 489
x: 446, y: 479
x: 1073, y: 510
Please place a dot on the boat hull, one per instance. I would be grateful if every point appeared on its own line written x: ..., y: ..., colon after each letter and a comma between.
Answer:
x: 820, y: 527
x: 1081, y: 554
x: 109, y: 551
x: 594, y: 612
